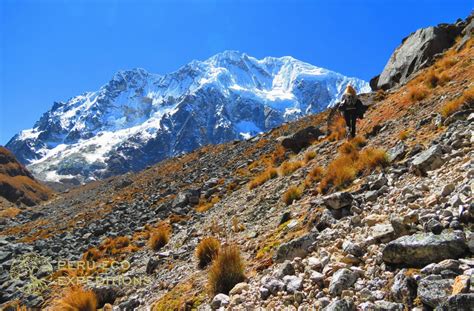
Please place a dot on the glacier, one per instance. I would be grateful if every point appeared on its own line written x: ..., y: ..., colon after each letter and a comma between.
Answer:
x: 139, y: 118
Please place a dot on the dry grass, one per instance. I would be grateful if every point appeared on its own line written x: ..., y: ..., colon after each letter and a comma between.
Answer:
x: 279, y: 155
x: 10, y: 212
x: 292, y: 194
x: 432, y: 79
x: 417, y: 93
x: 455, y: 105
x: 77, y: 299
x: 344, y: 169
x: 159, y: 238
x: 358, y: 142
x: 403, y: 134
x: 237, y: 226
x: 206, y: 251
x: 226, y: 270
x: 268, y: 174
x: 207, y: 205
x: 288, y: 167
x: 310, y: 155
x: 337, y: 129
x: 380, y: 95
x: 314, y: 175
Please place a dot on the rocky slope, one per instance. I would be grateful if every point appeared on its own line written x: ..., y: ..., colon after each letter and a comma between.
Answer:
x: 139, y: 118
x: 395, y: 234
x: 17, y: 184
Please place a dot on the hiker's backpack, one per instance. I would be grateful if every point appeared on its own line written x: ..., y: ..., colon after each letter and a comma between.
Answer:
x: 348, y: 102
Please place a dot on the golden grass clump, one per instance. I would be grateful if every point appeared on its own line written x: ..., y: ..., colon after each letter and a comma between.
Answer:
x: 205, y: 206
x: 159, y: 237
x: 337, y: 129
x: 380, y: 95
x: 268, y: 174
x: 310, y: 155
x: 206, y: 251
x: 279, y: 155
x: 403, y: 134
x: 288, y: 167
x: 454, y: 105
x: 345, y: 167
x: 77, y: 299
x: 431, y: 79
x: 358, y: 142
x: 417, y: 93
x: 226, y: 270
x: 371, y: 158
x: 292, y: 194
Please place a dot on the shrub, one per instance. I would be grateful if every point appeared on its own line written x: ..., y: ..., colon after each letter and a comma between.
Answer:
x: 310, y: 155
x: 206, y: 251
x: 337, y: 129
x: 380, y: 95
x: 371, y: 158
x: 432, y: 79
x: 343, y: 170
x: 417, y: 93
x: 287, y: 167
x: 159, y: 238
x: 358, y: 142
x: 268, y: 174
x: 77, y: 299
x: 403, y: 135
x: 279, y: 155
x: 226, y: 270
x: 454, y: 105
x: 292, y: 194
x: 205, y: 206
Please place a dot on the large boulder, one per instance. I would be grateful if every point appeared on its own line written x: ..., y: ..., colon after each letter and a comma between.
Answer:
x: 434, y: 290
x: 338, y: 200
x: 417, y: 51
x: 428, y: 160
x: 420, y: 249
x: 301, y: 139
x: 341, y: 280
x: 297, y: 247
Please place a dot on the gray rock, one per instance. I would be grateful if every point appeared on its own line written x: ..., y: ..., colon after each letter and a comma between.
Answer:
x: 297, y: 247
x: 371, y: 196
x: 342, y: 279
x: 433, y: 290
x: 447, y: 190
x: 301, y: 139
x: 352, y: 248
x: 416, y: 52
x: 428, y: 160
x: 458, y: 115
x: 423, y: 248
x: 383, y: 305
x: 404, y: 288
x: 220, y: 300
x: 382, y: 233
x: 341, y: 305
x: 286, y: 268
x: 460, y: 302
x: 338, y: 200
x: 272, y: 284
x: 293, y: 283
x: 434, y: 226
x: 397, y: 152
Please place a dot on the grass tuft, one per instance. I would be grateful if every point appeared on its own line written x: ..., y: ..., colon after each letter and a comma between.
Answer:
x: 287, y: 167
x: 292, y: 194
x: 310, y: 155
x: 226, y: 270
x: 77, y: 299
x: 159, y: 238
x: 206, y: 251
x: 268, y: 174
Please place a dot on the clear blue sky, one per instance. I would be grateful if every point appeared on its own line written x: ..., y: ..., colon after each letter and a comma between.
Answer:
x: 51, y: 50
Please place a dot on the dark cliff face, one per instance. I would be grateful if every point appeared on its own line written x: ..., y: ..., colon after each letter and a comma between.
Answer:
x: 418, y: 51
x: 17, y: 185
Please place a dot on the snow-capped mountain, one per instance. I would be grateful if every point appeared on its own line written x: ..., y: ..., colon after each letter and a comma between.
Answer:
x: 139, y: 118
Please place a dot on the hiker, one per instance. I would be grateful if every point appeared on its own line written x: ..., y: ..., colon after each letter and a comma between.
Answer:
x: 351, y: 108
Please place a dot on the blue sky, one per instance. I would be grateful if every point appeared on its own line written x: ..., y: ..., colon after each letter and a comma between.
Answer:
x: 51, y: 50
